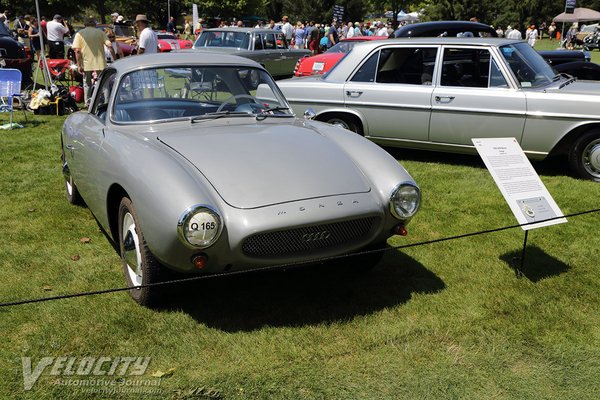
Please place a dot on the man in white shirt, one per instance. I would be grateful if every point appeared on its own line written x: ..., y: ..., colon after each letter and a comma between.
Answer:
x: 287, y: 29
x: 148, y: 42
x: 514, y: 34
x: 382, y: 30
x: 56, y: 31
x: 350, y: 30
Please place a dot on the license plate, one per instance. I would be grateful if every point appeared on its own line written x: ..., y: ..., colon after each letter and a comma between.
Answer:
x: 318, y: 66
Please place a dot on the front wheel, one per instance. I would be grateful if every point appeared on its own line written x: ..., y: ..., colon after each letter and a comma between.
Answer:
x: 584, y: 156
x: 73, y: 196
x: 139, y: 265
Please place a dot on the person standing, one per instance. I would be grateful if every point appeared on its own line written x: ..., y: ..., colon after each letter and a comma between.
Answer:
x: 299, y: 36
x: 514, y: 34
x: 287, y: 29
x: 148, y: 42
x: 187, y: 30
x: 34, y: 37
x: 56, y: 31
x: 89, y: 52
x: 382, y: 30
x: 332, y: 34
x: 171, y: 25
x: 112, y: 43
x: 532, y: 34
x: 551, y: 30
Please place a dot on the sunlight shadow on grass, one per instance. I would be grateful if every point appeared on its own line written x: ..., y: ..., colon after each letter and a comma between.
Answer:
x: 538, y: 264
x: 303, y: 296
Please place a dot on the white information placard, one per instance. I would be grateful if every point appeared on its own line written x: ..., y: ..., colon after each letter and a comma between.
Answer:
x: 522, y: 188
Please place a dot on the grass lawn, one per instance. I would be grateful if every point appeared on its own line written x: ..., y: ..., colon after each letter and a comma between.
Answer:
x: 447, y: 320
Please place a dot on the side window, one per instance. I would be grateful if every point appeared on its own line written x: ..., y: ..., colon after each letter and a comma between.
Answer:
x: 366, y: 72
x: 258, y: 44
x: 466, y: 67
x: 104, y: 89
x: 406, y: 65
x: 496, y: 77
x: 281, y: 43
x: 270, y: 42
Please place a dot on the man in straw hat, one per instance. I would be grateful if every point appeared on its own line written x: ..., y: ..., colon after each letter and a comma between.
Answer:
x: 148, y: 42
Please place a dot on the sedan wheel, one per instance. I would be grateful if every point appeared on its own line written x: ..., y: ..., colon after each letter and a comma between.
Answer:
x: 344, y: 122
x: 139, y: 265
x: 585, y: 156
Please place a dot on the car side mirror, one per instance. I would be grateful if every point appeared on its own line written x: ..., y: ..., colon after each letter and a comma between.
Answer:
x: 310, y: 113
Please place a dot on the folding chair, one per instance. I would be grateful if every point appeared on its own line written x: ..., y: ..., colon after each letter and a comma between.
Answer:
x: 10, y: 87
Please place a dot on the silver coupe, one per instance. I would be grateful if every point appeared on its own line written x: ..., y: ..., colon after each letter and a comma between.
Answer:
x: 439, y: 93
x: 200, y: 167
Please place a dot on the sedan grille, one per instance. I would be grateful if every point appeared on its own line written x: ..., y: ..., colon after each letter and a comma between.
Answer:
x: 309, y: 238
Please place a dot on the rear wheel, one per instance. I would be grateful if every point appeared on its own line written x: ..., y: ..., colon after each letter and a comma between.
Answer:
x: 344, y: 121
x: 584, y: 156
x: 139, y: 265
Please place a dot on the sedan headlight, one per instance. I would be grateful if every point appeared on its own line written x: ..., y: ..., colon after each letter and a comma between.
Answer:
x: 405, y: 201
x: 199, y: 226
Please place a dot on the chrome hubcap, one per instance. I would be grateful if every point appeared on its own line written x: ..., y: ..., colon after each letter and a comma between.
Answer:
x: 591, y: 158
x: 131, y: 250
x: 340, y: 123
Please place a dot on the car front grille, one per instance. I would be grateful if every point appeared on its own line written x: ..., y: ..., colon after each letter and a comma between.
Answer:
x: 309, y: 238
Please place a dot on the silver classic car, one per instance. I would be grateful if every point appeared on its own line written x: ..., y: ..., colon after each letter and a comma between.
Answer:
x: 267, y: 47
x: 439, y: 93
x: 200, y: 167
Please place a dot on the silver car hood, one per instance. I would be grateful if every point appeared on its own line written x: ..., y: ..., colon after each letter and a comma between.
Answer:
x: 577, y: 87
x: 259, y: 164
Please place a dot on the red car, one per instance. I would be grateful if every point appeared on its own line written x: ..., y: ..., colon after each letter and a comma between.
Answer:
x: 322, y: 63
x: 170, y: 42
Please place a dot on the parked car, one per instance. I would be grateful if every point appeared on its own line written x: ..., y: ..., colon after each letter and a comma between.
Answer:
x: 439, y: 93
x: 592, y: 40
x: 581, y: 69
x: 12, y: 54
x: 321, y: 63
x: 195, y: 164
x: 268, y: 47
x: 172, y: 41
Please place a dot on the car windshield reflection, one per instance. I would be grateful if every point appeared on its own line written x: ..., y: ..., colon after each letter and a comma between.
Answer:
x: 162, y: 94
x: 531, y: 70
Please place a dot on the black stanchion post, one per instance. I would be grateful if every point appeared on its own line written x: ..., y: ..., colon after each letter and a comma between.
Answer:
x: 519, y: 270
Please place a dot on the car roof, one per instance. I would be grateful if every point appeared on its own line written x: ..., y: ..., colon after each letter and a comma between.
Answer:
x: 244, y: 30
x: 181, y: 58
x: 435, y: 28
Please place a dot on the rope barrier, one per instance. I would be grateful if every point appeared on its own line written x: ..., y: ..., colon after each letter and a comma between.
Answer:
x: 290, y: 265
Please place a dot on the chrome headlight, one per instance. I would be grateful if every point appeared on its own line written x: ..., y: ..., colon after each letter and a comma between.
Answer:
x: 405, y: 201
x: 199, y: 226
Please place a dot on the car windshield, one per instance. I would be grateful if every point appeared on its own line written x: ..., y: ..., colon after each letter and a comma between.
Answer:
x: 529, y: 67
x: 124, y: 30
x: 197, y: 92
x: 239, y: 40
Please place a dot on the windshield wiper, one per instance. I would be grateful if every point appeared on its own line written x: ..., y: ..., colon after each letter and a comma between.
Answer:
x: 265, y: 113
x: 216, y: 115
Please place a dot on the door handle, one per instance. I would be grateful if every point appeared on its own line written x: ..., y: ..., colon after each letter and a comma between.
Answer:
x: 70, y: 147
x: 440, y: 98
x: 353, y: 93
